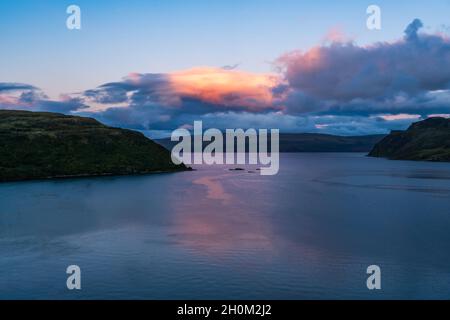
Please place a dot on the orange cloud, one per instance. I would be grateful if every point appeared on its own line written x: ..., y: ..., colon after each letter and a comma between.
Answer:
x: 230, y: 88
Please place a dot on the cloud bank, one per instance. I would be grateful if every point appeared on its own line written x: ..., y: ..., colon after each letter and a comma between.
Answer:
x: 384, y: 76
x: 339, y: 87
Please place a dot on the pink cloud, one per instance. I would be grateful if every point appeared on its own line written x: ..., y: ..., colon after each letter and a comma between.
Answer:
x: 401, y: 116
x: 336, y: 34
x: 344, y: 72
x: 441, y: 115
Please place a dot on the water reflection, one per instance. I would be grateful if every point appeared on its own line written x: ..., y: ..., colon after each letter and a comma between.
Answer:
x: 221, y: 222
x: 308, y: 232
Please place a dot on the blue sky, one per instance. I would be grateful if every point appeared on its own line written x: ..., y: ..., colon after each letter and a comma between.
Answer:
x: 165, y: 36
x: 119, y: 37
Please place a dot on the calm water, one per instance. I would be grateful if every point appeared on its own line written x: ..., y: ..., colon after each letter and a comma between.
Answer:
x: 309, y: 232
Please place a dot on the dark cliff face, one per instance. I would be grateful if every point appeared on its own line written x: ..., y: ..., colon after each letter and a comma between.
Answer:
x: 427, y: 140
x: 37, y: 145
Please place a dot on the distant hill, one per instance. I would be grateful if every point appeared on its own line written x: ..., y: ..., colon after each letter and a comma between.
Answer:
x: 37, y: 145
x: 314, y: 142
x: 424, y: 140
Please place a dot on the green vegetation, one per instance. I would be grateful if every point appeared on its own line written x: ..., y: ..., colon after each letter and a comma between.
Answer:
x: 425, y: 140
x: 36, y: 145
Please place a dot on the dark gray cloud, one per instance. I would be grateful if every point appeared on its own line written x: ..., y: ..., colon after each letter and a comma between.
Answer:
x: 231, y: 67
x: 27, y: 97
x: 66, y: 106
x: 412, y: 29
x: 8, y: 87
x: 341, y: 73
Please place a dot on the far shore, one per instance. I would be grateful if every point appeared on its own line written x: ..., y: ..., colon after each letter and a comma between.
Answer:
x: 99, y: 175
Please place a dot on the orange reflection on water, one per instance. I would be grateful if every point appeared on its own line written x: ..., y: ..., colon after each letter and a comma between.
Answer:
x: 215, y: 189
x: 218, y: 223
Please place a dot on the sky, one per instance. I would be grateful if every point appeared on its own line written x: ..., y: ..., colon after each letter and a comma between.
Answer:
x: 300, y: 66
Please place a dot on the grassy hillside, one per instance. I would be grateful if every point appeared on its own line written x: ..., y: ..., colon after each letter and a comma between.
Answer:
x: 425, y: 140
x: 44, y: 145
